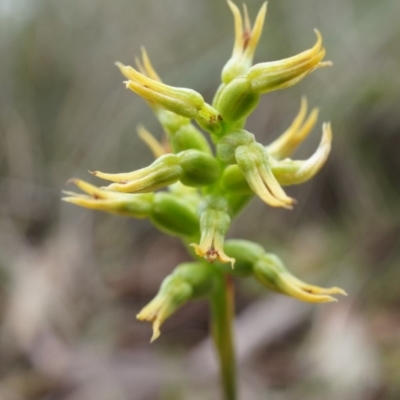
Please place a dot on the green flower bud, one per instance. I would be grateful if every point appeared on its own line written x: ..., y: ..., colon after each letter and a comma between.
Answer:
x: 198, y: 168
x: 182, y: 134
x: 188, y: 137
x: 210, y: 120
x: 170, y: 121
x: 237, y: 201
x: 173, y: 215
x: 245, y: 253
x: 188, y: 282
x: 237, y: 100
x: 228, y: 144
x: 233, y: 180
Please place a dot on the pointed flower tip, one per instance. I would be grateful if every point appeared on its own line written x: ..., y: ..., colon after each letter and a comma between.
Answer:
x: 67, y: 199
x: 318, y: 33
x: 245, y: 43
x: 155, y: 336
x: 222, y: 257
x: 147, y: 313
x: 197, y: 249
x: 140, y: 316
x: 326, y: 133
x: 323, y: 64
x: 337, y: 290
x: 156, y: 331
x: 317, y: 294
x: 332, y: 299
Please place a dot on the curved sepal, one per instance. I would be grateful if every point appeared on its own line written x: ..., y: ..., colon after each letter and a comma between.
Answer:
x: 272, y: 273
x: 246, y: 40
x: 189, y: 281
x: 270, y: 76
x: 293, y: 172
x: 286, y: 144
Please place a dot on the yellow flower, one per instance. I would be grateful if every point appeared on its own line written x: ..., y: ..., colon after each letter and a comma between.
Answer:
x: 130, y: 205
x: 246, y: 40
x: 214, y: 224
x: 187, y: 282
x: 272, y: 273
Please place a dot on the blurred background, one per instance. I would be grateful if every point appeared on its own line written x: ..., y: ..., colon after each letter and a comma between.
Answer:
x: 72, y: 280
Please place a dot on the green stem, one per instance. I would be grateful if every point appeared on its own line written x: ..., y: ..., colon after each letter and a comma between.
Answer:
x: 222, y: 310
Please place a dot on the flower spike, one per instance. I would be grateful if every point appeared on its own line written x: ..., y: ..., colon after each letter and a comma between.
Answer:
x: 205, y: 189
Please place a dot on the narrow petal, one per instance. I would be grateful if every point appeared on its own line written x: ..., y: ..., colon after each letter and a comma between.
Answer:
x: 237, y: 16
x: 293, y: 172
x: 148, y: 67
x: 278, y: 146
x: 91, y: 190
x: 154, y: 145
x: 256, y: 32
x: 253, y: 162
x: 294, y: 290
x: 269, y: 76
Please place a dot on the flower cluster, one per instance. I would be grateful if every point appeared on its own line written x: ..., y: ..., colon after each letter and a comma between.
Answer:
x: 206, y: 189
